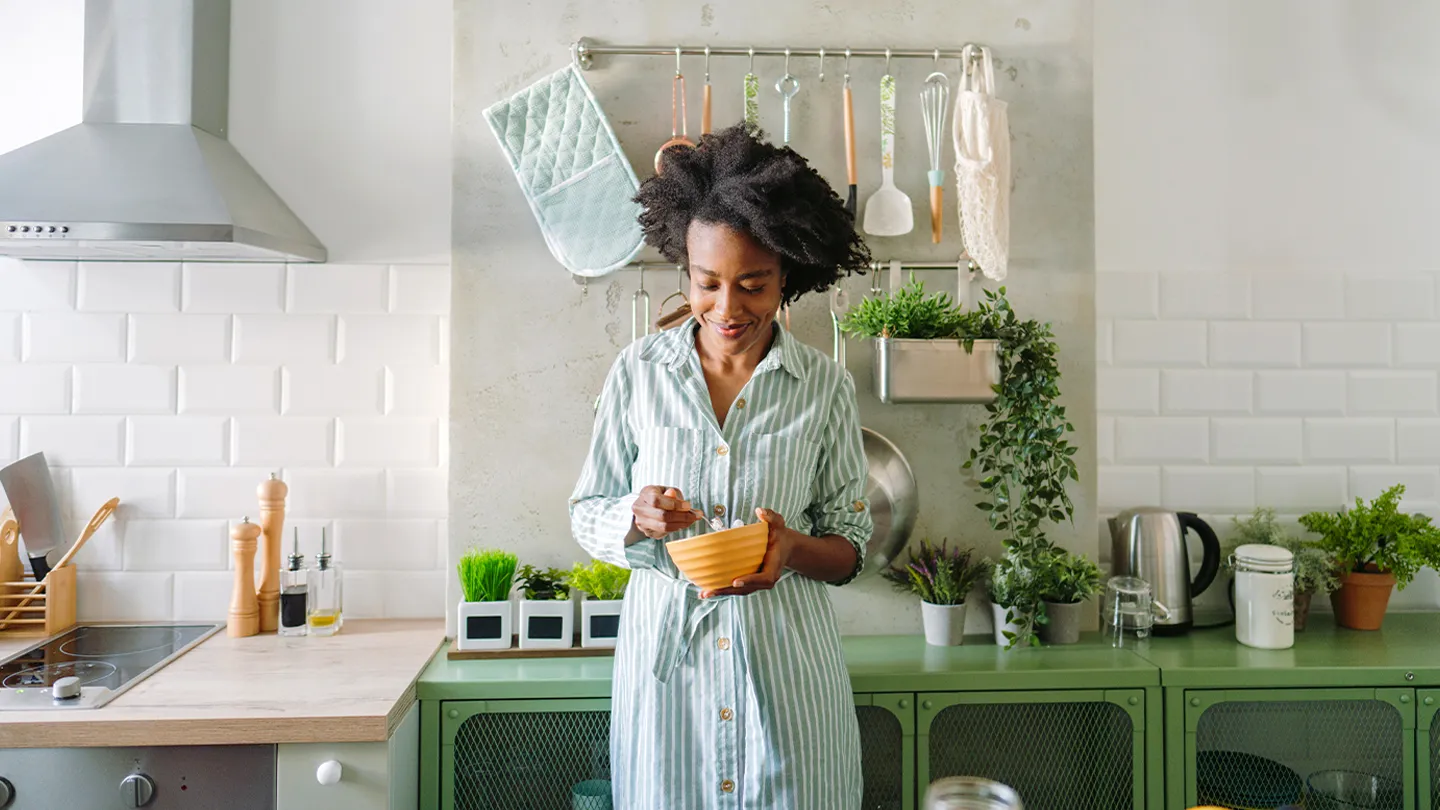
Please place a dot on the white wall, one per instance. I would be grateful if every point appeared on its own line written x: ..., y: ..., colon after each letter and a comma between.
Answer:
x: 1266, y: 191
x: 180, y: 387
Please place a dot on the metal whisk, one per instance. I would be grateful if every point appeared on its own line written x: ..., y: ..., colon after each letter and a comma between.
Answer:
x: 934, y: 103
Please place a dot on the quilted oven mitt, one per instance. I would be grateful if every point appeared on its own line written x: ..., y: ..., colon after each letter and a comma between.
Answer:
x: 577, y: 181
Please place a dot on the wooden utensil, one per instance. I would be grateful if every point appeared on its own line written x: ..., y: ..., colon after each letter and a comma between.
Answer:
x: 244, y: 617
x: 11, y: 568
x: 272, y: 526
x: 678, y: 134
x: 101, y: 515
x: 705, y: 100
x: 850, y: 173
x: 934, y: 103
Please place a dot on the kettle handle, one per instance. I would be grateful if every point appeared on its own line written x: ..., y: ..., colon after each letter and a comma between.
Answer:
x: 1210, y: 565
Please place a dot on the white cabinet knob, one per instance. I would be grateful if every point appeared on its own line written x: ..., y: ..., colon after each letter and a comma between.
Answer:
x: 328, y: 773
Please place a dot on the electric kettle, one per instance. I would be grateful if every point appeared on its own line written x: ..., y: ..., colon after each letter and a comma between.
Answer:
x: 1150, y: 544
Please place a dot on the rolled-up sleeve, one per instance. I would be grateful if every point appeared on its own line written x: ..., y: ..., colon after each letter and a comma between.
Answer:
x: 600, y: 507
x: 840, y: 507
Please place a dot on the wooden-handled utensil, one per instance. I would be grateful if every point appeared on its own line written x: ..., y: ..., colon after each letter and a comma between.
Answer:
x: 678, y: 134
x: 101, y: 515
x: 11, y: 568
x: 850, y: 173
x: 705, y: 99
x: 934, y: 102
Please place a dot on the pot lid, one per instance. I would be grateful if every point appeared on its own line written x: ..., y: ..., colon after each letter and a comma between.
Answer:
x: 1264, y: 554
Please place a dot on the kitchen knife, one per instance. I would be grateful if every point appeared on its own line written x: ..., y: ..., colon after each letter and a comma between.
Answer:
x: 31, y: 492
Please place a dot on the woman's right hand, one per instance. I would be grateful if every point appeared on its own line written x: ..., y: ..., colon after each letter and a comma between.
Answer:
x: 661, y: 511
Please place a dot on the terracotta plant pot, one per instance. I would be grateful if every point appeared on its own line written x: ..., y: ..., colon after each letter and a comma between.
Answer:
x: 1063, y: 623
x: 1302, y: 609
x: 1362, y: 599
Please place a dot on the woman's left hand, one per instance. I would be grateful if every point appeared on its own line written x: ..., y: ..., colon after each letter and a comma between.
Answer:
x: 777, y: 555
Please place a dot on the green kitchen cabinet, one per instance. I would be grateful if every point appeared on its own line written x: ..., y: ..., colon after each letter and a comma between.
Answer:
x: 1427, y: 747
x: 887, y: 750
x: 1061, y: 749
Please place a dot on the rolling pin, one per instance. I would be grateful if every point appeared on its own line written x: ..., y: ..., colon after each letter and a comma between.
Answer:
x: 272, y: 526
x: 244, y: 605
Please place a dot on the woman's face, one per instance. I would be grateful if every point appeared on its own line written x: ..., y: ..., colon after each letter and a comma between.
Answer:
x: 735, y: 287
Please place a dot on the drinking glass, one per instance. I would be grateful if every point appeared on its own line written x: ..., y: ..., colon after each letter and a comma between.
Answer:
x: 1129, y: 611
x: 971, y: 793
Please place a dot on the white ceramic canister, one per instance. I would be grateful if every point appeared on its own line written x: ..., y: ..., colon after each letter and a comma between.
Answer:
x: 1264, y: 597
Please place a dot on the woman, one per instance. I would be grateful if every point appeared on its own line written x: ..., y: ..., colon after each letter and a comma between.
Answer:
x: 739, y: 697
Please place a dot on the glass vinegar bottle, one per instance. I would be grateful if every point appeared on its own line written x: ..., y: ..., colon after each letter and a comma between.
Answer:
x: 294, y: 588
x: 323, y: 601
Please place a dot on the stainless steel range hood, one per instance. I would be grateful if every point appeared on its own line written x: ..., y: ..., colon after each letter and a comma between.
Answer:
x: 148, y: 174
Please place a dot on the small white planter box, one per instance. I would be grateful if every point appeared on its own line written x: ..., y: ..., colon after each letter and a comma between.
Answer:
x: 600, y: 622
x: 547, y: 624
x: 484, y: 625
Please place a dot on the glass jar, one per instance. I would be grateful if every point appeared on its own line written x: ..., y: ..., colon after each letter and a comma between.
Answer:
x: 1264, y: 596
x: 971, y: 793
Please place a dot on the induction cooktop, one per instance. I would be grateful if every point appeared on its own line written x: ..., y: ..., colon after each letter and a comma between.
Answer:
x: 90, y: 665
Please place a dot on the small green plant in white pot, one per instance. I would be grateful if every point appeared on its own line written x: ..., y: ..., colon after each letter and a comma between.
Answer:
x: 943, y: 579
x: 604, y: 587
x: 1015, y: 595
x: 547, y: 615
x: 484, y: 617
x: 1066, y: 581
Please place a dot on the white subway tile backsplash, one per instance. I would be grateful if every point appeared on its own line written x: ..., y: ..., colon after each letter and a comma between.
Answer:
x: 416, y: 493
x: 338, y: 288
x: 176, y: 545
x: 233, y: 288
x: 282, y: 339
x: 1160, y: 343
x: 129, y: 287
x: 389, y: 441
x: 1127, y: 487
x: 1300, y: 392
x: 36, y: 286
x: 203, y: 596
x: 216, y: 492
x: 1127, y: 390
x: 168, y: 339
x: 1392, y: 392
x: 9, y: 439
x: 1389, y: 299
x: 1162, y: 439
x: 1207, y: 391
x: 1104, y: 342
x: 1218, y: 489
x: 9, y: 337
x: 333, y: 390
x: 368, y: 589
x: 1255, y: 441
x: 74, y: 441
x: 417, y: 390
x: 414, y: 594
x: 1349, y: 440
x: 35, y: 388
x: 229, y: 390
x: 62, y: 337
x: 388, y: 545
x: 121, y: 389
x: 390, y: 339
x: 1301, y: 489
x: 285, y: 441
x: 1421, y: 483
x: 1252, y: 344
x: 1213, y: 296
x: 1298, y: 296
x: 337, y: 494
x: 142, y: 493
x: 1418, y: 440
x: 1417, y: 344
x: 1105, y: 439
x: 1126, y: 295
x: 1347, y: 345
x: 422, y: 289
x: 124, y: 596
x: 179, y: 441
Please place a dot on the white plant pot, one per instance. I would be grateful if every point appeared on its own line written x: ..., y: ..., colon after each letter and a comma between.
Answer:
x: 944, y: 624
x: 600, y: 622
x: 547, y: 624
x: 1003, y: 623
x: 484, y: 625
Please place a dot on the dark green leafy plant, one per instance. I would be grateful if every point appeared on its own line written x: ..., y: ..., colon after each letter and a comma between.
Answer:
x: 487, y: 575
x: 543, y: 583
x: 1015, y: 584
x: 599, y: 579
x: 1377, y: 537
x: 1314, y: 570
x: 908, y: 313
x: 1067, y: 578
x: 937, y: 574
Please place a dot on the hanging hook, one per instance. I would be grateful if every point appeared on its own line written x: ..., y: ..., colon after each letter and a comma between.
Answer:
x: 822, y: 64
x: 677, y: 60
x: 887, y: 61
x: 752, y: 59
x: 787, y: 61
x: 937, y: 57
x: 847, y: 67
x: 707, y: 64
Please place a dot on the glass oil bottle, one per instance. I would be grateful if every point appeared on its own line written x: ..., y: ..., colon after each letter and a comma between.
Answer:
x: 324, y: 598
x: 294, y: 587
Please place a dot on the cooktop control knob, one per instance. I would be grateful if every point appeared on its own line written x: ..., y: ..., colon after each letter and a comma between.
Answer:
x: 67, y: 688
x: 136, y: 790
x: 7, y: 792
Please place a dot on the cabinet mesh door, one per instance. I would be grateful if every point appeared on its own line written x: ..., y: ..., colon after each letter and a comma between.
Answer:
x: 528, y: 760
x: 1435, y: 764
x: 1059, y: 756
x: 1259, y: 754
x: 882, y: 758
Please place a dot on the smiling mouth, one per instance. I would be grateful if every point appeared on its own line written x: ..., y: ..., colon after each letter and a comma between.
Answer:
x: 730, y: 330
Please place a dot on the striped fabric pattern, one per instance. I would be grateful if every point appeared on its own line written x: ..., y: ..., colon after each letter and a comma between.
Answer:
x: 737, y: 701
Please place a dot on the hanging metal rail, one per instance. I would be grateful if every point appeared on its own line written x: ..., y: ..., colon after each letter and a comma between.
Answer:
x: 585, y: 50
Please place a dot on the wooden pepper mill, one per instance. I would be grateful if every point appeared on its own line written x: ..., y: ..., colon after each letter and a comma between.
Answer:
x: 244, y: 609
x: 272, y: 524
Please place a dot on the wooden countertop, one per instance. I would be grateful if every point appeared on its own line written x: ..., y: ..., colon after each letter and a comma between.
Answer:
x: 352, y: 687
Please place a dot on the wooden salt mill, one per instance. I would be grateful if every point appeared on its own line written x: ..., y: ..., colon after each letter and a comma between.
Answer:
x: 272, y: 523
x: 244, y: 609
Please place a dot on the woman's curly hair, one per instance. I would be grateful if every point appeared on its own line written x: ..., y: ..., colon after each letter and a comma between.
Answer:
x: 734, y: 178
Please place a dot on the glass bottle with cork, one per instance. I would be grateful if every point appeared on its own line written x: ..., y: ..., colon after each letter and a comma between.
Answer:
x: 294, y: 587
x: 323, y: 602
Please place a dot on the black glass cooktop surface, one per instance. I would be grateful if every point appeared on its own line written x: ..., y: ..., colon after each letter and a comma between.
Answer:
x: 104, y: 659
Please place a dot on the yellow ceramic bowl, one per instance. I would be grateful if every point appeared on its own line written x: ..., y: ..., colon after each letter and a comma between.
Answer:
x: 713, y: 561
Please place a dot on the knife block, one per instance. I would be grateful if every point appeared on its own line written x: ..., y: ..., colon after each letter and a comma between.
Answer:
x: 48, y: 613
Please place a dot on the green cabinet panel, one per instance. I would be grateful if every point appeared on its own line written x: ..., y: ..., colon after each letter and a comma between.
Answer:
x: 1427, y: 747
x: 887, y: 750
x: 507, y: 754
x: 1257, y: 747
x: 1062, y: 750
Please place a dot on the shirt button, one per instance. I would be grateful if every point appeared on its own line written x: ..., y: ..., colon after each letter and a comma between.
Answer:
x: 859, y: 506
x: 740, y: 403
x: 723, y: 450
x: 723, y: 644
x: 719, y: 509
x: 726, y: 714
x: 727, y: 786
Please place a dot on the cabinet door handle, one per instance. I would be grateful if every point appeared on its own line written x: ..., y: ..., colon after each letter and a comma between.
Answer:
x: 328, y: 773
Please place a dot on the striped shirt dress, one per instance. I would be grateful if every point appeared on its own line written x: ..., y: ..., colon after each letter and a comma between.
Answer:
x: 739, y: 702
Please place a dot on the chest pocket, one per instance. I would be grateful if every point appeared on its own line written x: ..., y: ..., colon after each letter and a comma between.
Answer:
x: 666, y: 457
x: 781, y: 474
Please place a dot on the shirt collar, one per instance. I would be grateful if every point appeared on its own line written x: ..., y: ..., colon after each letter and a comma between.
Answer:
x: 673, y: 347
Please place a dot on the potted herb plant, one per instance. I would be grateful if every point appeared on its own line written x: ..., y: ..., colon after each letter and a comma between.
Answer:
x: 1066, y: 581
x: 547, y: 615
x: 483, y: 619
x: 604, y: 586
x: 942, y: 578
x: 1015, y: 593
x: 1375, y: 548
x: 1314, y: 571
